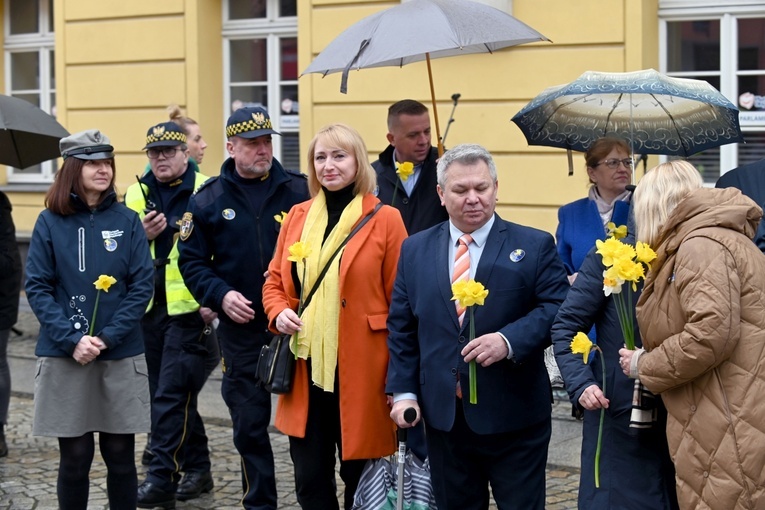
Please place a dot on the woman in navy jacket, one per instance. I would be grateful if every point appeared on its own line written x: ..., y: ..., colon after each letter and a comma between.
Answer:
x: 635, y: 468
x: 91, y: 371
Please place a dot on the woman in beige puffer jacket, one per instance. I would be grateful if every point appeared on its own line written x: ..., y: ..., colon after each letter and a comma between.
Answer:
x: 702, y: 320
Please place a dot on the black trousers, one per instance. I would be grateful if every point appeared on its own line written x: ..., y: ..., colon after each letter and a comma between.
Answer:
x: 314, y: 455
x: 463, y: 464
x: 175, y: 356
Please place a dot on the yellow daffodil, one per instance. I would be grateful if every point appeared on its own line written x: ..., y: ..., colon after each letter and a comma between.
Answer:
x: 469, y: 293
x: 405, y: 170
x: 644, y: 253
x: 612, y: 249
x: 581, y: 344
x: 624, y: 263
x: 619, y: 232
x: 280, y: 217
x: 299, y: 251
x: 104, y: 282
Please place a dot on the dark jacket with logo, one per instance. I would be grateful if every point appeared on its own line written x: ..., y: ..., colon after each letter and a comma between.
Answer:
x: 423, y: 209
x: 10, y: 267
x: 66, y: 255
x: 227, y: 245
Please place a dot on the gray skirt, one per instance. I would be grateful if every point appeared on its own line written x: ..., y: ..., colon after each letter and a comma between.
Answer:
x: 103, y: 396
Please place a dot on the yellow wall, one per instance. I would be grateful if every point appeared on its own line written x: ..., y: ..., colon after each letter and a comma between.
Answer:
x: 119, y: 64
x: 602, y: 35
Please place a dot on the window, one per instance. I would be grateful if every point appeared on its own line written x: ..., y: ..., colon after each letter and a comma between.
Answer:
x: 724, y: 46
x: 260, y: 66
x: 30, y: 68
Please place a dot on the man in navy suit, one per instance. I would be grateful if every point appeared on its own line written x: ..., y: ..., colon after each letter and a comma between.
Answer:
x: 503, y: 438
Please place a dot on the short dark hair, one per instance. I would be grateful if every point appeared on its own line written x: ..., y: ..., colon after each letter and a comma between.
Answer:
x: 67, y: 181
x: 405, y: 107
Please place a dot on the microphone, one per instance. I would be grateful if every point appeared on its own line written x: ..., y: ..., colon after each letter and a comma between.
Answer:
x: 455, y: 97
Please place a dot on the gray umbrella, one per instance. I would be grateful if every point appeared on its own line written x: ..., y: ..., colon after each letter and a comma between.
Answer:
x: 420, y: 30
x: 28, y: 135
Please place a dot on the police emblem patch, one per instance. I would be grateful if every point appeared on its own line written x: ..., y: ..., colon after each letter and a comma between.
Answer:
x: 110, y: 244
x: 259, y: 118
x: 158, y: 131
x: 187, y: 225
x: 517, y: 255
x: 229, y: 214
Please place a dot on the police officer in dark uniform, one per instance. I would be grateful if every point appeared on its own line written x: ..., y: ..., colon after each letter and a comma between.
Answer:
x: 227, y: 238
x: 174, y: 327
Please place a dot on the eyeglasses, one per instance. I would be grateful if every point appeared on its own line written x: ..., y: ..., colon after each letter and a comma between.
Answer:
x: 613, y: 164
x: 168, y: 152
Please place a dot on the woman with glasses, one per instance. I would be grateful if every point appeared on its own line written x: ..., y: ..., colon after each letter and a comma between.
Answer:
x: 584, y: 221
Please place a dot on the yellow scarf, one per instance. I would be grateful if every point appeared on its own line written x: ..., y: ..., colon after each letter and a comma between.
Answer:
x: 318, y: 338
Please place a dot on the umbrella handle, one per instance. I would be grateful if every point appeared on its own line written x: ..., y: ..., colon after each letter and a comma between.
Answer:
x: 435, y: 110
x: 410, y: 414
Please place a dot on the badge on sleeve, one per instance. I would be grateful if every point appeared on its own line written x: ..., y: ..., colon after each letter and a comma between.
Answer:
x: 187, y: 225
x: 229, y: 214
x: 517, y: 255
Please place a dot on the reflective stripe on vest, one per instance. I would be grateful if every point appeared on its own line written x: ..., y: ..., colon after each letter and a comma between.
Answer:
x: 179, y: 298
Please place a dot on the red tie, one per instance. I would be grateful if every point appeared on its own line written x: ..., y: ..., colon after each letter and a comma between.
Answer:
x: 461, y: 269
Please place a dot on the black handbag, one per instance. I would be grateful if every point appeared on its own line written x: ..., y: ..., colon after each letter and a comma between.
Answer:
x: 276, y: 364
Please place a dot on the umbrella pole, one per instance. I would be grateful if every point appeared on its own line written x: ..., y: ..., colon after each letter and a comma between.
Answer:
x: 435, y: 110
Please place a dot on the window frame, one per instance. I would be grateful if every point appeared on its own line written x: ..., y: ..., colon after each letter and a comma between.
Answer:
x: 272, y: 29
x: 42, y: 41
x: 728, y: 16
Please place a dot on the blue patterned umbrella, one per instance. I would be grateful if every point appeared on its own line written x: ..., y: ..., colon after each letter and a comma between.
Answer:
x: 657, y: 114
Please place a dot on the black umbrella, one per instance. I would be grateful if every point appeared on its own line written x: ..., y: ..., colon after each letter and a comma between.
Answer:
x: 28, y: 135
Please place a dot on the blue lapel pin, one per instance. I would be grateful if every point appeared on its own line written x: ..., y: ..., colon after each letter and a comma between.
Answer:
x: 517, y: 255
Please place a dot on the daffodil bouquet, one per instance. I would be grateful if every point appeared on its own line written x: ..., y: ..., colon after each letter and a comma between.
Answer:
x: 403, y: 171
x: 299, y: 253
x: 103, y: 283
x: 624, y: 263
x: 581, y: 344
x: 468, y: 293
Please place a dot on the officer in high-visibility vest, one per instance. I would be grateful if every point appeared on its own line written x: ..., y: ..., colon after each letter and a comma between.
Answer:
x: 174, y: 327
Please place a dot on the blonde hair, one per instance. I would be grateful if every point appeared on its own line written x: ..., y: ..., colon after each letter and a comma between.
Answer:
x: 658, y: 193
x: 348, y: 139
x: 176, y: 115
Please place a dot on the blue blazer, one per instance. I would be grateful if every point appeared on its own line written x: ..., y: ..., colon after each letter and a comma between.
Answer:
x: 579, y: 226
x: 425, y: 338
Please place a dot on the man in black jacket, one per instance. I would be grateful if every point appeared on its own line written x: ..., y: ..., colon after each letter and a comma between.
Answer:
x: 10, y: 285
x: 409, y: 139
x: 227, y: 238
x: 750, y: 179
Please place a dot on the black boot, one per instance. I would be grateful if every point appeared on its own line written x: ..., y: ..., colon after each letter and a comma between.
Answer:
x: 3, y: 444
x: 151, y: 496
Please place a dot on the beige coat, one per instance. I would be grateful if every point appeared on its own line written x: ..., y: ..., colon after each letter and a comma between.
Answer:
x: 702, y: 319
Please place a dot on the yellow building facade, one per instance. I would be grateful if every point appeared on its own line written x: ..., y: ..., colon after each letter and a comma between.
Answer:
x: 116, y: 65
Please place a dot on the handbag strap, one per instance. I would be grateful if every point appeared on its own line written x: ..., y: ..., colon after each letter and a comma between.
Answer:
x: 329, y: 262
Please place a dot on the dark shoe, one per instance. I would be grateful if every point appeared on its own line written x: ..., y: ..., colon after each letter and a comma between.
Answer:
x: 150, y: 496
x: 3, y: 444
x: 193, y: 485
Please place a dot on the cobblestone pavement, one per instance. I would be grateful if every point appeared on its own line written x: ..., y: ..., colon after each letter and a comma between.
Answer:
x: 28, y: 473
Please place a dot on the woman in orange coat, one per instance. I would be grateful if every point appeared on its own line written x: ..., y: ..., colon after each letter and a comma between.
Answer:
x: 338, y: 397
